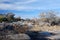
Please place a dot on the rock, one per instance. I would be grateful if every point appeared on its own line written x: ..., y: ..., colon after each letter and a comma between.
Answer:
x: 17, y: 37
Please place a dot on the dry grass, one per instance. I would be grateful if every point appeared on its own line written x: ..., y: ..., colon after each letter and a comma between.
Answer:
x: 51, y: 28
x: 45, y: 28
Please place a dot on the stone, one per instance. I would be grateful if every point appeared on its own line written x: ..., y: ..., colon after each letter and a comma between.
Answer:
x: 18, y: 37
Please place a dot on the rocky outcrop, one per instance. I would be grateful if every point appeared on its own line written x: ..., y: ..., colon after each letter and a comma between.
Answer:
x: 15, y: 37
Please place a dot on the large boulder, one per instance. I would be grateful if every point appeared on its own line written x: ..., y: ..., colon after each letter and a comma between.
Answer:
x: 16, y: 37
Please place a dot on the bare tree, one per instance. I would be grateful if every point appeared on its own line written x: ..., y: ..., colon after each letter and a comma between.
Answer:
x: 50, y: 15
x: 10, y: 16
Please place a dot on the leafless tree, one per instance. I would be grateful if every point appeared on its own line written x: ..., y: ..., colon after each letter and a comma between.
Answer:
x: 49, y: 16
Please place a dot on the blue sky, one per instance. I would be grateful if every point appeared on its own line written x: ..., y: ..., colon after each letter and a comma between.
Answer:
x: 28, y: 8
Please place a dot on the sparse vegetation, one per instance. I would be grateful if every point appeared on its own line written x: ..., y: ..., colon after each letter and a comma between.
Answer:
x: 48, y: 21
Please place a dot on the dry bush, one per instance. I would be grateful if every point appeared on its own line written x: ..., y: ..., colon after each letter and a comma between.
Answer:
x: 20, y: 29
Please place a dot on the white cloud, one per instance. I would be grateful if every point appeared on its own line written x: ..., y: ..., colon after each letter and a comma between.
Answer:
x: 18, y: 1
x: 5, y: 0
x: 26, y: 2
x: 18, y: 5
x: 22, y: 7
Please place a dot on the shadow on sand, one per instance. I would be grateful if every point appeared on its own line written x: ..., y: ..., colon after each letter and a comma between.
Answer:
x: 39, y: 35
